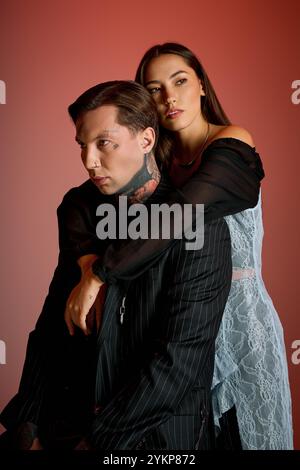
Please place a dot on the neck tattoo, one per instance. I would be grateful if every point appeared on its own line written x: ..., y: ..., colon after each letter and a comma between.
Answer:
x: 143, y: 183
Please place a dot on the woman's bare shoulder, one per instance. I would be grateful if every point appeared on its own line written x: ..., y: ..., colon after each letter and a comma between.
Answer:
x: 235, y: 132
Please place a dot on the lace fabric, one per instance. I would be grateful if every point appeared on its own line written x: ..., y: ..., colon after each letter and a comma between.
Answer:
x: 250, y: 365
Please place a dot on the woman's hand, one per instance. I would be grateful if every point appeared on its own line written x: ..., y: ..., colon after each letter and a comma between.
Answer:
x: 80, y: 301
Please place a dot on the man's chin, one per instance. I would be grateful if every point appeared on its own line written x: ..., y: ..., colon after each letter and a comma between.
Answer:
x: 104, y: 189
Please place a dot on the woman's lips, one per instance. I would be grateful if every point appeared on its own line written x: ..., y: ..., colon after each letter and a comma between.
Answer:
x: 174, y: 113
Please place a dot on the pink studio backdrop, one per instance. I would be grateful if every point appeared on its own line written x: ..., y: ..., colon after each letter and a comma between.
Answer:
x: 52, y: 51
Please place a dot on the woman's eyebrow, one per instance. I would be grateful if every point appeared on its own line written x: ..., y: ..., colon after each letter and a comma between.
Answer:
x: 171, y: 76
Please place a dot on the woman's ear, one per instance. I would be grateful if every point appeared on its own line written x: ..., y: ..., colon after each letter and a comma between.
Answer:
x: 148, y: 139
x: 202, y: 92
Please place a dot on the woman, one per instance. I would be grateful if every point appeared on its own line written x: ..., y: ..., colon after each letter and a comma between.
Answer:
x: 251, y: 370
x: 251, y: 395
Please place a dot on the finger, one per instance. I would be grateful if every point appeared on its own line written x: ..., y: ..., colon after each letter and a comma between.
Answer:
x: 82, y: 325
x: 70, y: 326
x: 69, y: 323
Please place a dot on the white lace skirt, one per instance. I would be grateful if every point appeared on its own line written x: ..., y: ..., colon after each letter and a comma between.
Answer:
x: 251, y: 367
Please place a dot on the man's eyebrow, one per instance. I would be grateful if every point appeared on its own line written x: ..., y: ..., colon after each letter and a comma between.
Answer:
x: 103, y: 134
x: 108, y: 131
x: 171, y: 76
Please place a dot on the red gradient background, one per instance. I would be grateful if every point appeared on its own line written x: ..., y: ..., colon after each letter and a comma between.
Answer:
x: 51, y: 51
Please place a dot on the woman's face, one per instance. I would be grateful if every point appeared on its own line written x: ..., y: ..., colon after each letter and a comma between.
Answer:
x: 176, y: 89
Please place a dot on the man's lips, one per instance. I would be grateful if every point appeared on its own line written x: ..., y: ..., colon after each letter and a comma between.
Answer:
x: 173, y: 113
x: 99, y: 180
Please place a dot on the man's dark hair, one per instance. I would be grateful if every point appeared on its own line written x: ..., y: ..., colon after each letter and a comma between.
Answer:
x: 136, y: 108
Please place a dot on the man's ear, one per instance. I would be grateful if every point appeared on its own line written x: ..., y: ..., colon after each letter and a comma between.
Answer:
x: 147, y: 139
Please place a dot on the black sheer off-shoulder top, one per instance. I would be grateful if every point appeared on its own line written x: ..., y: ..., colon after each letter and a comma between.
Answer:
x: 227, y: 182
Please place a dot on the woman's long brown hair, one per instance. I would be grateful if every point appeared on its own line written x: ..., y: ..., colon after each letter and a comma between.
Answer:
x: 210, y: 105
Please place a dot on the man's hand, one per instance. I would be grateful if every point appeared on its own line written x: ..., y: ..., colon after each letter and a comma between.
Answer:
x: 81, y: 300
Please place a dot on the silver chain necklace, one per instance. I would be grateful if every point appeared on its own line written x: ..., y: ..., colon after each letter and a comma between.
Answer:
x: 191, y: 162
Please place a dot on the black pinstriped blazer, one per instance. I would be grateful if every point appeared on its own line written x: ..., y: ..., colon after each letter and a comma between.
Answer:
x: 227, y: 182
x: 155, y: 361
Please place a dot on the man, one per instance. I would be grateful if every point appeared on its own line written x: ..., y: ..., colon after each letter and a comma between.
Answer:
x: 173, y: 316
x: 155, y: 350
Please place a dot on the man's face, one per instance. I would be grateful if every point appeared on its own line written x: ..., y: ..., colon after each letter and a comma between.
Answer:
x: 111, y: 154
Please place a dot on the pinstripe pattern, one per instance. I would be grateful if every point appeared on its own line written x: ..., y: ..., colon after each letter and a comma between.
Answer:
x: 154, y: 371
x: 218, y: 185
